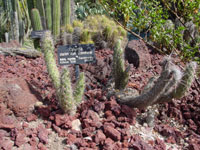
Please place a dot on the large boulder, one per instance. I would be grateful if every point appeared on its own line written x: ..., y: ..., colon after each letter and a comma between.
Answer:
x: 17, y: 96
x: 136, y: 52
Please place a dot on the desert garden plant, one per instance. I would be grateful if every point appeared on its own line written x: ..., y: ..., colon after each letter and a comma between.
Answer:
x: 150, y: 18
x: 67, y: 98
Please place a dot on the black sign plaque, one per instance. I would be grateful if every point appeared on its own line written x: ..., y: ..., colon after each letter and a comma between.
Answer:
x: 37, y: 34
x: 76, y: 54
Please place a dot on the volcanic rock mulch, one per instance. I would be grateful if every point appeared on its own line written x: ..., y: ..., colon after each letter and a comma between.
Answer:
x: 100, y: 123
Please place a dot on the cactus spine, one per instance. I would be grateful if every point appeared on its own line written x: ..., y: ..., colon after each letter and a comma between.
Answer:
x: 120, y: 74
x: 48, y: 14
x: 66, y: 12
x: 36, y: 20
x: 68, y: 100
x: 56, y: 18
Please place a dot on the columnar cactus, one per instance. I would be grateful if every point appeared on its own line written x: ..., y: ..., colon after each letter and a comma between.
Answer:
x: 56, y: 18
x: 40, y: 7
x: 171, y: 84
x: 66, y: 12
x: 120, y: 73
x: 68, y: 100
x: 36, y: 20
x: 48, y: 14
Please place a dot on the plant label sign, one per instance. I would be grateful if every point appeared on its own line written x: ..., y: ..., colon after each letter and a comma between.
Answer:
x: 37, y: 34
x: 76, y: 54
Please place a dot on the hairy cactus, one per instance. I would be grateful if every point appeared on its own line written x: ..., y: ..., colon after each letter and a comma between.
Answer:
x: 120, y: 74
x: 56, y: 18
x: 48, y: 49
x: 171, y: 84
x: 36, y: 20
x: 48, y: 14
x: 68, y: 100
x: 86, y: 37
x: 79, y: 89
x: 67, y: 38
x: 66, y: 12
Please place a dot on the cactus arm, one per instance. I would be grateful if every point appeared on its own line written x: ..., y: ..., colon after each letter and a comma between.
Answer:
x: 56, y: 18
x: 79, y: 89
x: 66, y: 99
x: 149, y: 97
x: 40, y: 7
x: 119, y: 73
x: 48, y: 49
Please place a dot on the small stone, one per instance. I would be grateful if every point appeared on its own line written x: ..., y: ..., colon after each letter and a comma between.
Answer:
x: 112, y: 133
x: 43, y: 134
x: 76, y: 125
x: 99, y: 137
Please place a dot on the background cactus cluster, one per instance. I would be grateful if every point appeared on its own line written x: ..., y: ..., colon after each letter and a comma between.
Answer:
x: 100, y: 30
x: 68, y: 99
x: 52, y: 15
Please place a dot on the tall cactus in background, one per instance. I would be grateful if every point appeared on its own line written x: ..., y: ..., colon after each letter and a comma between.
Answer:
x: 40, y: 7
x: 36, y: 20
x: 66, y: 12
x: 48, y: 14
x: 120, y: 73
x: 56, y: 18
x: 68, y: 100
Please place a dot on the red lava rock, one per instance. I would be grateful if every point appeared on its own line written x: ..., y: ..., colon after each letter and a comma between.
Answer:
x: 7, y: 122
x: 112, y: 133
x: 63, y: 120
x: 34, y: 141
x: 171, y: 140
x: 57, y: 129
x: 109, y: 144
x: 43, y: 134
x: 6, y: 144
x: 44, y: 111
x: 71, y: 139
x: 17, y: 95
x: 88, y: 131
x: 41, y: 146
x: 31, y: 117
x: 20, y: 138
x: 99, y: 137
x: 99, y: 106
x: 160, y: 145
x: 137, y: 54
x: 128, y: 111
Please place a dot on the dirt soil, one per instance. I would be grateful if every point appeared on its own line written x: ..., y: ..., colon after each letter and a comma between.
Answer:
x: 100, y: 123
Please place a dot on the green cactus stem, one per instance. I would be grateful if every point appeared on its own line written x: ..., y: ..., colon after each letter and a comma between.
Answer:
x: 79, y: 89
x: 36, y: 20
x: 66, y: 12
x: 66, y: 99
x: 48, y: 50
x: 48, y: 14
x: 56, y: 18
x: 120, y: 74
x: 40, y: 7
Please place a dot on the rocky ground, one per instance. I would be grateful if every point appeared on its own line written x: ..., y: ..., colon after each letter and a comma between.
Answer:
x: 30, y: 118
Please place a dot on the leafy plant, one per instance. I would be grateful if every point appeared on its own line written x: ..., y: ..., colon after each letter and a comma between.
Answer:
x: 152, y: 17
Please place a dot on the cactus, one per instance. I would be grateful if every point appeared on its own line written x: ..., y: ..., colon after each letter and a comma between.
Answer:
x: 171, y: 84
x: 16, y: 27
x: 79, y: 89
x: 77, y: 23
x: 36, y: 20
x: 40, y: 7
x: 56, y: 18
x: 67, y: 38
x: 69, y: 28
x: 76, y: 35
x: 120, y: 74
x: 48, y: 14
x: 68, y: 100
x: 66, y: 12
x: 48, y: 50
